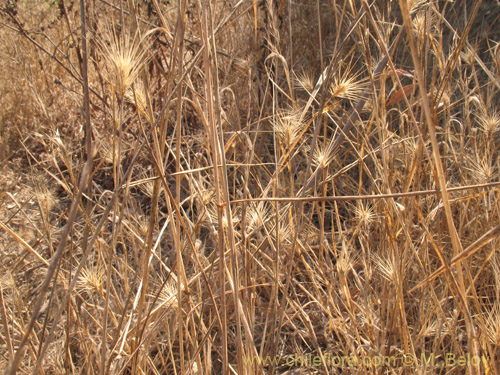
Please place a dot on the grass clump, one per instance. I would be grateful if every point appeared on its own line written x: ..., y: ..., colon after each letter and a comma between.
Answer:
x: 249, y: 187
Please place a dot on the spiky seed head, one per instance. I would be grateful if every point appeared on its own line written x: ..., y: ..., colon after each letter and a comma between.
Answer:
x: 207, y: 197
x: 417, y: 5
x: 365, y: 215
x: 168, y: 295
x: 305, y: 80
x: 44, y: 196
x: 91, y: 280
x: 137, y: 95
x: 489, y: 122
x: 7, y: 280
x: 493, y: 326
x: 289, y: 127
x: 124, y: 56
x: 347, y: 85
x: 324, y: 155
x: 469, y: 55
x: 310, y: 234
x: 429, y: 329
x: 257, y: 215
x: 284, y: 233
x: 387, y: 267
x: 423, y: 21
x: 344, y: 262
x: 482, y: 171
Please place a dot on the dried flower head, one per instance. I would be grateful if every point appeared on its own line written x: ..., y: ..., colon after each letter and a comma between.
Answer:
x: 365, y: 214
x: 423, y: 22
x: 469, y: 55
x: 347, y: 85
x: 482, y: 171
x: 324, y: 155
x: 257, y: 215
x: 284, y: 233
x: 91, y: 280
x: 137, y: 95
x: 168, y: 295
x: 45, y: 197
x: 344, y: 262
x: 125, y: 57
x: 388, y: 268
x: 417, y: 5
x: 289, y: 127
x: 493, y: 326
x: 489, y: 122
x: 305, y: 80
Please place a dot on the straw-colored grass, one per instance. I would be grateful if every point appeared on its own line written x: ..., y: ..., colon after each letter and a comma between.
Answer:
x: 240, y: 187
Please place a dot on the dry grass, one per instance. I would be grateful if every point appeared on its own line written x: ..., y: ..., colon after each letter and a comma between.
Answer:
x: 253, y: 187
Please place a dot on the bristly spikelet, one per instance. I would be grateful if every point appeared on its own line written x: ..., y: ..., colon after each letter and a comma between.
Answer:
x: 417, y: 5
x: 493, y: 326
x: 489, y: 122
x: 119, y: 117
x: 106, y: 150
x: 257, y: 215
x: 284, y: 233
x: 310, y: 234
x: 7, y: 281
x: 213, y: 216
x: 91, y: 280
x: 277, y: 228
x: 168, y: 296
x: 344, y: 262
x: 148, y: 187
x: 125, y: 57
x: 347, y: 85
x: 429, y: 329
x: 305, y: 80
x: 423, y: 22
x: 469, y: 55
x: 482, y: 171
x: 365, y: 215
x: 143, y: 225
x: 45, y: 197
x: 289, y: 127
x: 323, y: 155
x: 137, y: 96
x: 387, y: 268
x: 207, y: 197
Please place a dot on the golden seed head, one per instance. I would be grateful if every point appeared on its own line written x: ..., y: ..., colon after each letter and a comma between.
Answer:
x: 305, y: 80
x: 125, y: 57
x: 91, y: 280
x: 347, y: 85
x: 289, y: 127
x: 489, y: 122
x: 493, y: 326
x: 323, y: 155
x: 365, y: 215
x: 257, y: 215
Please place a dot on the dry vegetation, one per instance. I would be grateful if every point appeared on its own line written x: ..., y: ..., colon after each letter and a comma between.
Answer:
x: 250, y: 187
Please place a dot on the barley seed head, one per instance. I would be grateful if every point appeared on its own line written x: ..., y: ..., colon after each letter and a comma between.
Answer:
x: 323, y: 155
x: 365, y: 215
x: 91, y: 280
x: 489, y: 122
x: 289, y: 127
x: 493, y: 325
x: 347, y: 85
x: 125, y: 56
x: 305, y: 80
